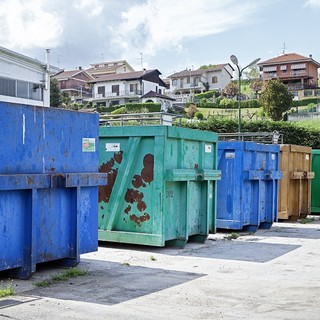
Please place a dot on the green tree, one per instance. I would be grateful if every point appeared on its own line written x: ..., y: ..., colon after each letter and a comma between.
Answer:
x: 65, y: 99
x: 275, y: 99
x: 209, y: 66
x: 55, y: 94
x: 252, y: 73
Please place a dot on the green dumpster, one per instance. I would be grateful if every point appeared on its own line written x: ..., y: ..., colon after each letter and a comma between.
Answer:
x: 161, y: 185
x: 315, y: 184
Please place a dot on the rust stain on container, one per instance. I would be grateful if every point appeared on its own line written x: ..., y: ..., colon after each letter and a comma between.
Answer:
x: 147, y: 171
x: 132, y: 196
x: 137, y: 182
x: 127, y: 209
x: 118, y: 156
x: 139, y: 220
x: 30, y: 181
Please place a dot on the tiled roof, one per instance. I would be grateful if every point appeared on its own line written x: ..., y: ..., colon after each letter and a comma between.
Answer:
x: 287, y: 57
x: 123, y: 76
x: 198, y: 72
x: 107, y: 67
x: 66, y: 74
x: 153, y: 94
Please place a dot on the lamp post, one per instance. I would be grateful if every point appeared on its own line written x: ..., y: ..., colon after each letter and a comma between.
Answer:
x: 234, y: 60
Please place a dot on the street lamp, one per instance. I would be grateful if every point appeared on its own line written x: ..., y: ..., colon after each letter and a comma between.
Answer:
x: 234, y: 60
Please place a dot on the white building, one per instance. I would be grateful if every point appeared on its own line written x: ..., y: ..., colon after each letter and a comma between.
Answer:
x: 121, y: 88
x: 196, y: 81
x: 23, y: 80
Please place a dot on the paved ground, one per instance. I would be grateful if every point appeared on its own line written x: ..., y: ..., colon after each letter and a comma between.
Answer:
x: 272, y: 274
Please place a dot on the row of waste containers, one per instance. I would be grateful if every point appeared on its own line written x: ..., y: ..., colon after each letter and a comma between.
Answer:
x: 64, y: 185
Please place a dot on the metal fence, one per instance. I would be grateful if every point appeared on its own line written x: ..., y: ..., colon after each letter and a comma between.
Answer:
x: 140, y: 119
x: 262, y: 137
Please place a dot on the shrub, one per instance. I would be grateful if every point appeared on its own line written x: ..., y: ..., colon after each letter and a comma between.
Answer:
x: 292, y: 133
x: 120, y: 110
x: 151, y: 106
x: 199, y: 115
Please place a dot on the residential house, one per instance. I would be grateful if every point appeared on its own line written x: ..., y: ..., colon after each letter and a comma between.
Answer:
x: 110, y: 67
x: 75, y: 83
x: 156, y: 97
x: 296, y: 71
x: 121, y: 88
x: 24, y: 80
x: 196, y: 81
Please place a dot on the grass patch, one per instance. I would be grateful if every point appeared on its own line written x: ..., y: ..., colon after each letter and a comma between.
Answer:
x: 232, y: 236
x: 152, y: 258
x: 306, y: 220
x: 70, y: 273
x: 7, y: 291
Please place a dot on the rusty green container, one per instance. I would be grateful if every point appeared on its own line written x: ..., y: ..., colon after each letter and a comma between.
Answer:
x: 315, y: 183
x: 161, y: 185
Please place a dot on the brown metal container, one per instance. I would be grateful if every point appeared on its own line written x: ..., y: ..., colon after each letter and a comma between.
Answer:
x: 295, y: 186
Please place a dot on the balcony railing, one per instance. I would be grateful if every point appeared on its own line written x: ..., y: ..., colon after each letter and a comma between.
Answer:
x: 111, y: 95
x: 298, y: 73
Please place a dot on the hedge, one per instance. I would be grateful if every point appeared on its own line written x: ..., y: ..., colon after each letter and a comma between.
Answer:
x: 305, y: 102
x: 232, y: 104
x: 152, y: 107
x: 292, y: 133
x: 207, y: 94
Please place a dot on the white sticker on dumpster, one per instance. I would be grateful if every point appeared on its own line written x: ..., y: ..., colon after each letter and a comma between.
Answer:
x: 88, y: 145
x: 230, y: 155
x: 207, y: 148
x: 112, y: 147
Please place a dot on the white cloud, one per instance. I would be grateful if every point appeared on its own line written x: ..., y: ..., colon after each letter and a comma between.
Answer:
x: 26, y: 26
x: 165, y: 24
x: 93, y: 7
x: 313, y: 3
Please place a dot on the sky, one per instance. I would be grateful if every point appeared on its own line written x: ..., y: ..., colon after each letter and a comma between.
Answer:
x: 168, y: 35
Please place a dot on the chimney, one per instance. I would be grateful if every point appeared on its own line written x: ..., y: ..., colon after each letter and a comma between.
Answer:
x: 310, y: 56
x: 80, y: 68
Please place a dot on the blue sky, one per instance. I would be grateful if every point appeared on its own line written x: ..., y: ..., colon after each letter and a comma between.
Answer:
x: 169, y: 35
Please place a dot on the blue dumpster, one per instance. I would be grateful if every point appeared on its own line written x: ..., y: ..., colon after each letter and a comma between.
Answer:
x: 48, y: 186
x: 247, y: 194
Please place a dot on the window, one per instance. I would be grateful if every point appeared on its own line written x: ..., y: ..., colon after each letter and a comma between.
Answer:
x: 63, y: 84
x: 188, y: 79
x: 115, y: 89
x: 134, y: 87
x: 7, y: 87
x: 22, y: 89
x: 35, y: 92
x: 214, y: 79
x: 175, y: 82
x: 101, y: 92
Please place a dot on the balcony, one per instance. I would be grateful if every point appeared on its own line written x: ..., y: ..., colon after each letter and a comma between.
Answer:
x: 270, y: 75
x: 120, y: 94
x: 298, y: 73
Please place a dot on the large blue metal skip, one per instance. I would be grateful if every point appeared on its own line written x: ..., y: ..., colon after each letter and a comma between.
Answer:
x: 247, y: 194
x: 48, y: 186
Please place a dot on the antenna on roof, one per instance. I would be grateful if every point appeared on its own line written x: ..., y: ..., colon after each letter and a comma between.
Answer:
x: 141, y: 60
x: 102, y: 58
x: 284, y: 48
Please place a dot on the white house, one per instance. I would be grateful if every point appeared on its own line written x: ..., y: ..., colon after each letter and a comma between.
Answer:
x: 196, y: 81
x: 24, y: 80
x: 121, y: 88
